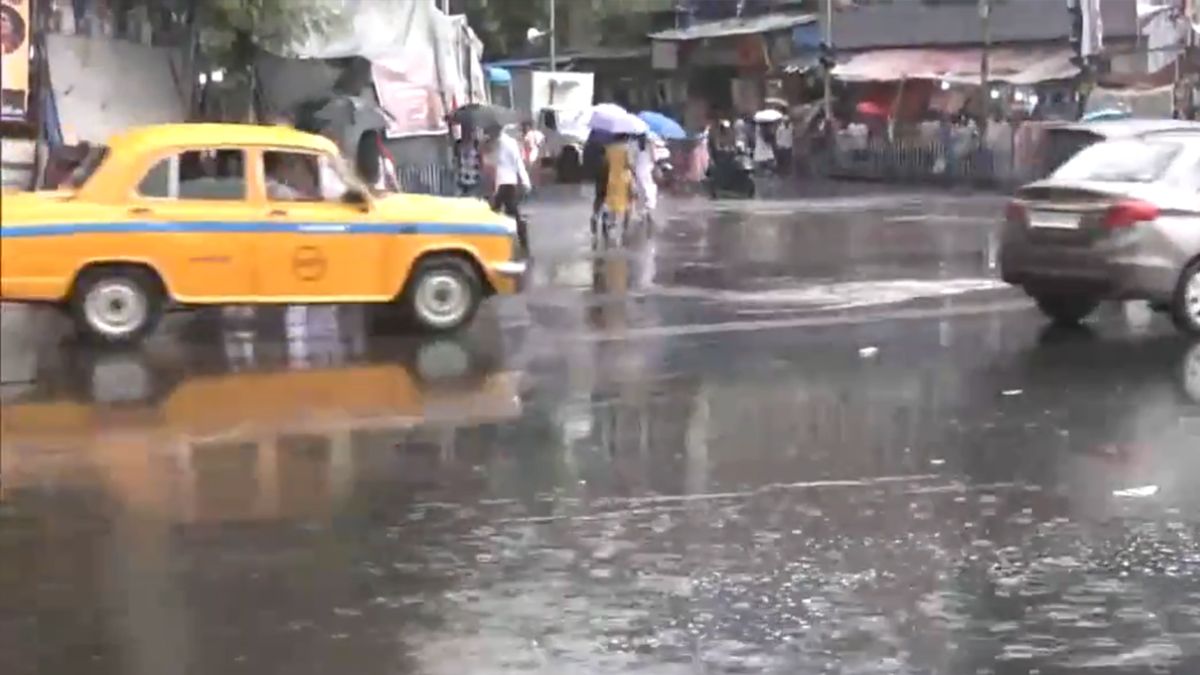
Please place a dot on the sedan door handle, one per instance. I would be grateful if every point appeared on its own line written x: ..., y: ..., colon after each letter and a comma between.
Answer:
x: 139, y: 211
x: 277, y: 213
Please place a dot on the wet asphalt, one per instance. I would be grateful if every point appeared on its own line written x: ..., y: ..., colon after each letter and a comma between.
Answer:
x: 795, y: 435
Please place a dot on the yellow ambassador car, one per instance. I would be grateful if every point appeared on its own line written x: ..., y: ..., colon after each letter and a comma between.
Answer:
x: 205, y: 214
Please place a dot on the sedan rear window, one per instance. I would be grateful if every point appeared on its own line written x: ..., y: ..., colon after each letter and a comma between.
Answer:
x: 1124, y: 161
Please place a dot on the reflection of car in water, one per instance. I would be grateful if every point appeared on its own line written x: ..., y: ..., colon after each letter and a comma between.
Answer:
x: 1106, y: 416
x: 257, y: 443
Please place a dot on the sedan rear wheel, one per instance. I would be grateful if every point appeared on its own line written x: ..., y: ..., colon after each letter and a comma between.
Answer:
x: 1186, y: 308
x: 1066, y: 309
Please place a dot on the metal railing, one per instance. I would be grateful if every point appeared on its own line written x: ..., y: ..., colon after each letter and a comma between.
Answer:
x: 430, y: 179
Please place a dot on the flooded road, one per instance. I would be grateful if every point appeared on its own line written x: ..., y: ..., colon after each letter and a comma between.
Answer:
x: 781, y: 437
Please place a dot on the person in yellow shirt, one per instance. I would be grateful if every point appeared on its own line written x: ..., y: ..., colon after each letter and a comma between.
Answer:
x: 618, y: 185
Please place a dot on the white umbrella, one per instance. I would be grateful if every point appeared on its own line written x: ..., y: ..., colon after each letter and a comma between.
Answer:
x: 613, y: 119
x: 767, y: 116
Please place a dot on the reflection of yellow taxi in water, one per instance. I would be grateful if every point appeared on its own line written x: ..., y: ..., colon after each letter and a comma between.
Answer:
x: 197, y: 214
x: 238, y: 445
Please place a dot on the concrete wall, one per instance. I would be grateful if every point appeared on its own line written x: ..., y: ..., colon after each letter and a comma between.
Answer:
x: 913, y: 23
x: 18, y: 161
x: 103, y: 85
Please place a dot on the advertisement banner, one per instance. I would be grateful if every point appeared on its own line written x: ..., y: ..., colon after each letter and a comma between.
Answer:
x: 408, y: 90
x: 15, y: 31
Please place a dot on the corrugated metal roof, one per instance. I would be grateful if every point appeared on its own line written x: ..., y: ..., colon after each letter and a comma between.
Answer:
x: 920, y: 24
x: 753, y: 25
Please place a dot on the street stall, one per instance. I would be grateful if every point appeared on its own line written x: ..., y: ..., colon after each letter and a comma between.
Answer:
x: 924, y: 114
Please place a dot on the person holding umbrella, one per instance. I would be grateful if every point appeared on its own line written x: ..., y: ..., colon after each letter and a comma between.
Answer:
x: 512, y: 180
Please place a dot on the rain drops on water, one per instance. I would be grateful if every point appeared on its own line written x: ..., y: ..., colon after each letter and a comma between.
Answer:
x: 1137, y: 492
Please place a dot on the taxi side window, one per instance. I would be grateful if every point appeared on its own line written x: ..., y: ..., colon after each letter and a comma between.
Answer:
x: 302, y: 177
x: 197, y: 174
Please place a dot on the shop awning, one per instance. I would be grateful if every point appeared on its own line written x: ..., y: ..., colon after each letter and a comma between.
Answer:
x: 753, y: 25
x: 1011, y: 65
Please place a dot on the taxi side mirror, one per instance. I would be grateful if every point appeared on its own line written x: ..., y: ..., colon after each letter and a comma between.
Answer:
x: 357, y: 198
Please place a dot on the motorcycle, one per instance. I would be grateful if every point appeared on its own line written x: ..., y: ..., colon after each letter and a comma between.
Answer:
x: 731, y: 173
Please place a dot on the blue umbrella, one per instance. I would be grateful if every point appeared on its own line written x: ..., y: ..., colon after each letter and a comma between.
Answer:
x: 665, y: 127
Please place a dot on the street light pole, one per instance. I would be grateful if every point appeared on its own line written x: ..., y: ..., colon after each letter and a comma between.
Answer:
x: 985, y: 14
x: 829, y: 69
x: 553, y: 37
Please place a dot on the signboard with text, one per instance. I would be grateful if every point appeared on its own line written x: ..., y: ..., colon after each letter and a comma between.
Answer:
x: 15, y: 32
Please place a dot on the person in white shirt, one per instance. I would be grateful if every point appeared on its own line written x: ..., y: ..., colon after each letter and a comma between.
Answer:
x: 764, y: 147
x: 511, y: 180
x: 532, y: 142
x: 783, y: 145
x: 643, y: 176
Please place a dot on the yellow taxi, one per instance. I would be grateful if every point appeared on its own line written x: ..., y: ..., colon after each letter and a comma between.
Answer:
x: 203, y: 214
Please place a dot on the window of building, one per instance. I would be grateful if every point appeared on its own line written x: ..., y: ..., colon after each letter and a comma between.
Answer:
x: 197, y: 174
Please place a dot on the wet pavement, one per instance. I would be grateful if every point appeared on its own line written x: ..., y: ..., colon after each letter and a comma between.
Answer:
x: 786, y: 436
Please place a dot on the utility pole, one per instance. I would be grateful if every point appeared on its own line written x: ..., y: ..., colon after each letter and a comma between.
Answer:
x: 828, y: 38
x: 985, y: 74
x: 553, y: 37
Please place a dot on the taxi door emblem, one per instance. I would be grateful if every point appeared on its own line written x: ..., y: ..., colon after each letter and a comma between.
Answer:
x: 309, y: 263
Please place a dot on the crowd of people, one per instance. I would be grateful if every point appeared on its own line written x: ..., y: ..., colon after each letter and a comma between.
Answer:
x: 501, y: 166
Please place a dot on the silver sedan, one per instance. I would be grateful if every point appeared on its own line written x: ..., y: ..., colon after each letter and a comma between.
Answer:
x: 1119, y: 221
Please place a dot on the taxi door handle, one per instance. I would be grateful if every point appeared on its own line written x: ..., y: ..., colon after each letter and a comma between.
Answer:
x: 139, y: 211
x: 277, y: 213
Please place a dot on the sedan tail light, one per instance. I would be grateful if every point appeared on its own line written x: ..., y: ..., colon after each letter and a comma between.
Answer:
x: 1129, y: 212
x: 1015, y: 213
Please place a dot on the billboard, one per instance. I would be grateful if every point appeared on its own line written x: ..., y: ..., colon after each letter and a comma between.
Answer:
x: 15, y: 31
x: 408, y: 90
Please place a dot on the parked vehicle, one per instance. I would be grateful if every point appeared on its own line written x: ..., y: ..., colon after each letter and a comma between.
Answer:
x: 210, y: 214
x: 1120, y: 220
x: 560, y: 105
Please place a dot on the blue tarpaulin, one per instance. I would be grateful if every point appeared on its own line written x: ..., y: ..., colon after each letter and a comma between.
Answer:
x: 497, y: 75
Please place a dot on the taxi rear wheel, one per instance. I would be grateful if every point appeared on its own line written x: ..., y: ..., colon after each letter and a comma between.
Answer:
x: 443, y: 293
x: 116, y: 304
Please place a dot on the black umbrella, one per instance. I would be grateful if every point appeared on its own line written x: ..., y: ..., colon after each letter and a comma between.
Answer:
x: 483, y: 116
x: 340, y: 111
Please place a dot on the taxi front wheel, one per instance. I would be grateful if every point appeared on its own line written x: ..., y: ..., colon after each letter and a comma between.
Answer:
x: 116, y: 304
x: 443, y: 293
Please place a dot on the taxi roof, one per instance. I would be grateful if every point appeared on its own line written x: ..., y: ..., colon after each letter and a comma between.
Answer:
x: 210, y: 134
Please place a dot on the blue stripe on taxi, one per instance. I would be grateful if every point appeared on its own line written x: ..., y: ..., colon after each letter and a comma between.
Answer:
x: 136, y: 227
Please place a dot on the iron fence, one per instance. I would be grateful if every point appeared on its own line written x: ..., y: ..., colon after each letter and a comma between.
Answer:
x: 431, y: 179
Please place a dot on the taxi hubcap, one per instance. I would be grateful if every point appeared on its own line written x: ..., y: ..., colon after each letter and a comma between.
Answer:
x: 443, y: 299
x: 115, y: 308
x: 1191, y: 299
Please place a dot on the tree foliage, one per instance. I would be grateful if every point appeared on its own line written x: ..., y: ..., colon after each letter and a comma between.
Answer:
x: 230, y: 30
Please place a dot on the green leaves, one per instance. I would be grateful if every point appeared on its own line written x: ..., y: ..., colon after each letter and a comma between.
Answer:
x: 230, y: 29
